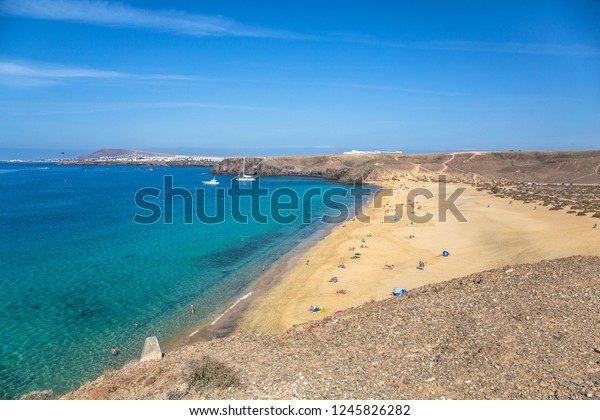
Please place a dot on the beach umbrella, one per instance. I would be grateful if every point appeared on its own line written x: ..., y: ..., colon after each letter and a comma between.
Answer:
x: 357, y: 253
x: 445, y: 253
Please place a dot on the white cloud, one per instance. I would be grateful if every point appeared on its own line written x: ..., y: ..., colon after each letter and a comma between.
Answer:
x: 50, y: 71
x: 482, y: 47
x: 511, y: 47
x: 162, y: 105
x: 369, y: 86
x: 74, y: 108
x: 106, y: 13
x: 22, y: 73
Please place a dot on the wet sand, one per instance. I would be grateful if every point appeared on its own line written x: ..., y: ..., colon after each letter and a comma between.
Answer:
x: 497, y: 233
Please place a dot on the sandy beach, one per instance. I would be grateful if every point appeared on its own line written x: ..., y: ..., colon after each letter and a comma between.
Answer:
x: 498, y: 232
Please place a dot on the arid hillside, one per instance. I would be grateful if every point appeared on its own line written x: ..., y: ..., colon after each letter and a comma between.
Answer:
x: 564, y: 166
x: 524, y: 332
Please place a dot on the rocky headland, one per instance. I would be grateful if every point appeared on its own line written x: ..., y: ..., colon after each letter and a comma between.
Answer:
x: 513, y: 166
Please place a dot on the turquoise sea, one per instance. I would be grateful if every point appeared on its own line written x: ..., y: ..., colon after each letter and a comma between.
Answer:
x: 76, y: 272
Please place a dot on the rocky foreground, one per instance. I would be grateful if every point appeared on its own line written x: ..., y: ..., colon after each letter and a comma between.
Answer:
x: 525, y: 332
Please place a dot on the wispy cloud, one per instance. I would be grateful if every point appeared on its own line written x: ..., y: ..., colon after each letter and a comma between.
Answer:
x: 118, y: 14
x: 370, y: 86
x: 481, y: 47
x: 13, y: 72
x: 71, y: 108
x: 176, y: 105
x: 51, y: 71
x: 107, y: 13
x: 511, y: 47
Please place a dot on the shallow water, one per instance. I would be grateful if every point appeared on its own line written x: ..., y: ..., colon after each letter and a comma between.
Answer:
x: 76, y: 272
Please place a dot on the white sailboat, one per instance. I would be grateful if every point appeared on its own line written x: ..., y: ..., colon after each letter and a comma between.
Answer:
x: 243, y: 177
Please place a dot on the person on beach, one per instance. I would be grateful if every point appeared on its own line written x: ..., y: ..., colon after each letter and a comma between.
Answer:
x: 595, y: 225
x: 137, y: 324
x: 307, y: 261
x: 114, y: 352
x: 192, y: 309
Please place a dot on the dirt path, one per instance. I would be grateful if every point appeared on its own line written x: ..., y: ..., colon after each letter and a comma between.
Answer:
x: 445, y: 163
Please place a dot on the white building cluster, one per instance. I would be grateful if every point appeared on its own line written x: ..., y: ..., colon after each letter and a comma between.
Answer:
x: 367, y: 152
x: 147, y: 158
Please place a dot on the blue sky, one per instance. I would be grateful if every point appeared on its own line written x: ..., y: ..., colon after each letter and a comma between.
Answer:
x: 296, y: 77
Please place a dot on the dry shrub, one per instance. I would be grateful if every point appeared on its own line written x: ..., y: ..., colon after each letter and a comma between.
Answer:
x: 210, y: 373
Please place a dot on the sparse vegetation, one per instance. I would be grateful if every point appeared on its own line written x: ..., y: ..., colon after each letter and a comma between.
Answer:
x: 176, y: 394
x: 208, y: 373
x: 581, y: 200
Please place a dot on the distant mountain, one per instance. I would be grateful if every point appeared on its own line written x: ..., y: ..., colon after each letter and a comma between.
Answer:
x: 114, y: 153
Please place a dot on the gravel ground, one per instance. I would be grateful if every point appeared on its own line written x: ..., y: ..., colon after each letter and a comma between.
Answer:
x: 524, y: 332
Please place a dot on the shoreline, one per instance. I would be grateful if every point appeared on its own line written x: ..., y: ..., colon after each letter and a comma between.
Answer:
x: 497, y: 233
x: 244, y: 313
x: 225, y: 323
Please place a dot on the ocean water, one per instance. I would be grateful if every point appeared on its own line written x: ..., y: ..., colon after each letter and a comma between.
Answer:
x: 76, y: 272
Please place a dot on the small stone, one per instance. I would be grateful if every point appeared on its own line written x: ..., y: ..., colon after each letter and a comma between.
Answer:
x: 149, y: 381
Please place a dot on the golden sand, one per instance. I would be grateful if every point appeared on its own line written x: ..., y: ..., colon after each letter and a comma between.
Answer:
x: 497, y: 233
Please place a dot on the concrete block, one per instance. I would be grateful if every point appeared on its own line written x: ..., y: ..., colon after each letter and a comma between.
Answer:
x: 151, y: 350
